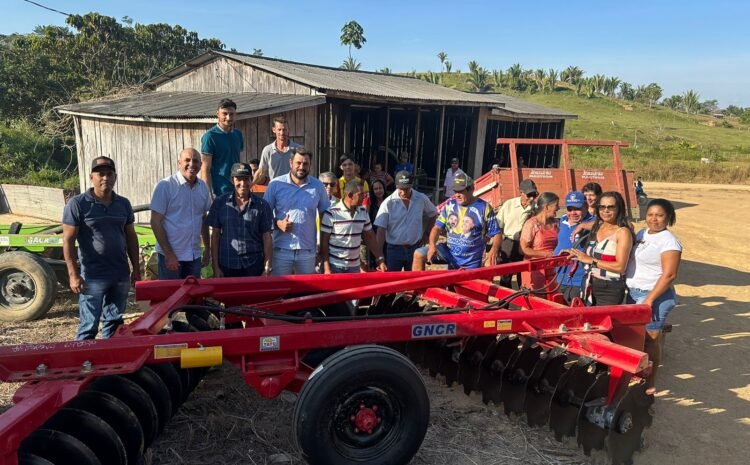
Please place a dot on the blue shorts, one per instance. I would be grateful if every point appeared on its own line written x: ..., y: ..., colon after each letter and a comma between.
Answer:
x: 659, y: 310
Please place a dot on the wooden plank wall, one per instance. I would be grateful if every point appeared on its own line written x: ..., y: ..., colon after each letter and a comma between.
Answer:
x: 38, y: 202
x: 144, y: 152
x: 224, y: 75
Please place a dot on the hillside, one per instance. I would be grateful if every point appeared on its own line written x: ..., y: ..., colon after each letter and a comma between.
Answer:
x: 665, y: 145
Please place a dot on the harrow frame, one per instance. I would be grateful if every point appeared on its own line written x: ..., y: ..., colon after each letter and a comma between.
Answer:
x: 270, y: 351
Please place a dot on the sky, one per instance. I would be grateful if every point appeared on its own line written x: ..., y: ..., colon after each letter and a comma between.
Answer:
x: 680, y: 45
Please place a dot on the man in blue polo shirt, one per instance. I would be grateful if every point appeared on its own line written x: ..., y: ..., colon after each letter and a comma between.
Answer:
x: 220, y: 149
x: 102, y: 223
x: 571, y: 278
x: 296, y: 200
x: 241, y: 243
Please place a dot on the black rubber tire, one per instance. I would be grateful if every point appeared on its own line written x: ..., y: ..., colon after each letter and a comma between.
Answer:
x: 37, y: 301
x: 322, y: 428
x: 91, y: 430
x: 58, y: 448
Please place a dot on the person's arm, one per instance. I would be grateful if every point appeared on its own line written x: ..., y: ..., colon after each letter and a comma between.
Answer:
x: 375, y: 248
x: 206, y: 236
x: 70, y: 233
x: 324, y: 251
x: 131, y: 239
x: 157, y: 225
x: 670, y: 263
x: 215, y: 235
x: 622, y: 254
x: 262, y: 172
x: 581, y: 228
x: 432, y: 243
x: 491, y: 259
x: 267, y: 253
x: 205, y: 173
x: 380, y: 236
x: 428, y: 228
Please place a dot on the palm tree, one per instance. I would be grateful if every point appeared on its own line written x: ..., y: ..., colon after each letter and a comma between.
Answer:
x: 571, y: 75
x: 442, y: 56
x: 433, y: 78
x: 690, y: 101
x: 552, y: 79
x: 352, y: 34
x: 514, y: 76
x: 499, y: 77
x: 473, y: 66
x: 448, y: 66
x: 626, y: 91
x: 610, y: 85
x: 653, y: 93
x: 598, y: 81
x: 640, y: 93
x: 590, y: 88
x: 351, y: 64
x: 479, y: 80
x: 385, y: 70
x: 257, y: 52
x: 674, y: 102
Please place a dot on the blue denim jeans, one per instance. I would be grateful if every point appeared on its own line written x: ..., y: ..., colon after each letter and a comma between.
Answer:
x: 105, y: 300
x: 286, y: 261
x: 442, y: 257
x: 659, y: 310
x: 188, y: 268
x: 400, y: 257
x: 342, y: 269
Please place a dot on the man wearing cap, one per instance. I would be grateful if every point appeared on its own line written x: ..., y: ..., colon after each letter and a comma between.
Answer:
x: 571, y: 278
x: 510, y: 219
x: 178, y: 217
x: 276, y: 156
x: 102, y: 223
x: 296, y: 199
x: 343, y: 228
x: 242, y: 223
x: 450, y: 175
x: 468, y: 223
x: 403, y: 220
x: 220, y: 149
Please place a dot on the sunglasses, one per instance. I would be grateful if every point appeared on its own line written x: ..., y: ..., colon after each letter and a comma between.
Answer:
x: 607, y: 207
x: 532, y: 195
x: 573, y: 209
x: 329, y: 183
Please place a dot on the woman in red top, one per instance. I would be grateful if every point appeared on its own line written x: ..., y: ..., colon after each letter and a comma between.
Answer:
x: 539, y: 237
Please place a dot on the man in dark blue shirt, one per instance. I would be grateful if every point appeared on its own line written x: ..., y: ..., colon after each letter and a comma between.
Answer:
x: 220, y: 149
x: 404, y: 164
x: 102, y: 223
x: 571, y: 278
x: 241, y: 241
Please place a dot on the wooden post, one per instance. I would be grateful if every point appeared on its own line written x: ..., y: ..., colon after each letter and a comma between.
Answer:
x: 436, y: 197
x: 387, y: 134
x: 417, y: 159
x: 478, y: 142
x: 620, y: 176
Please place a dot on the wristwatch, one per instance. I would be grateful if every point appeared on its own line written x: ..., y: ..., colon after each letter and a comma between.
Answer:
x: 380, y: 259
x: 595, y: 263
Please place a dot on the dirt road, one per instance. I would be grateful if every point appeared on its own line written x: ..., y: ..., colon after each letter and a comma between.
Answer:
x: 703, y: 403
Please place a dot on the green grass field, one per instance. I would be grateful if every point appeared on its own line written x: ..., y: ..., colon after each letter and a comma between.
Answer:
x: 665, y: 145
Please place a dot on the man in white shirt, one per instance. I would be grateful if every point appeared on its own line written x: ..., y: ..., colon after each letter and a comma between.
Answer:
x: 450, y: 176
x: 276, y: 156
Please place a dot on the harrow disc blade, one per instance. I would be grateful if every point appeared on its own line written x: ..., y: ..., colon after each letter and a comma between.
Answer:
x: 491, y: 377
x: 118, y: 415
x: 433, y: 357
x: 592, y: 436
x: 513, y: 391
x: 449, y: 361
x: 147, y: 379
x: 170, y: 376
x: 58, y: 448
x: 470, y: 361
x: 540, y: 390
x: 31, y: 459
x: 92, y: 431
x: 632, y: 416
x: 568, y: 398
x: 135, y: 398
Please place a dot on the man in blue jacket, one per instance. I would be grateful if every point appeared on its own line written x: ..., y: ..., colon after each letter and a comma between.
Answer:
x: 571, y: 277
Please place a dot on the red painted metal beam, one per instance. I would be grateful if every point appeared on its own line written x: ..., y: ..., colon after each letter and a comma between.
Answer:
x: 584, y: 142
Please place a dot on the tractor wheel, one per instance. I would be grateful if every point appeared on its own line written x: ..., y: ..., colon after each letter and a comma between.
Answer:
x: 27, y: 286
x: 362, y: 405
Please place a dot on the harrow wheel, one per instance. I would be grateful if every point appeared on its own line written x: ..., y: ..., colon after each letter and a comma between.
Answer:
x: 363, y: 405
x: 631, y: 417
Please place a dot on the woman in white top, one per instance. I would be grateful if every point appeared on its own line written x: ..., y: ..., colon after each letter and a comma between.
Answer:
x: 652, y: 271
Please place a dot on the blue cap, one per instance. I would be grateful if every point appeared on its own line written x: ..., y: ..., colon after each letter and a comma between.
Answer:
x: 575, y: 199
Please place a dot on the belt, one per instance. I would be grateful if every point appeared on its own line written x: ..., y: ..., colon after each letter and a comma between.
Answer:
x: 404, y: 246
x: 508, y: 238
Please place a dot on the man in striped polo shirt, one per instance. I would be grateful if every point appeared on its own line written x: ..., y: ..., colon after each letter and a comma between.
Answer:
x: 342, y: 229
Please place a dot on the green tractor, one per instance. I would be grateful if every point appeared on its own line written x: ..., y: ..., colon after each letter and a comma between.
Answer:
x: 32, y: 265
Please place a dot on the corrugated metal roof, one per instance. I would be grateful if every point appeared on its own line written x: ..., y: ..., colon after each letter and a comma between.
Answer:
x: 337, y: 80
x: 189, y: 105
x: 518, y: 107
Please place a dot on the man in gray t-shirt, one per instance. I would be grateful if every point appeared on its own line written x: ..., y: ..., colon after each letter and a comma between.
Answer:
x: 275, y: 157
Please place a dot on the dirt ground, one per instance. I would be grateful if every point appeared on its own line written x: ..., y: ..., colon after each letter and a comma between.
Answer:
x: 702, y: 412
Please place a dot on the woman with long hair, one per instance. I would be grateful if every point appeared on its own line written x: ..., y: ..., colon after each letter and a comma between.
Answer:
x: 652, y: 271
x: 377, y: 196
x: 607, y: 255
x: 539, y: 237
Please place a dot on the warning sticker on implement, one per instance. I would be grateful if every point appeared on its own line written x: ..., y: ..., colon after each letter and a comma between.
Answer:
x: 504, y: 325
x: 168, y: 350
x: 489, y: 324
